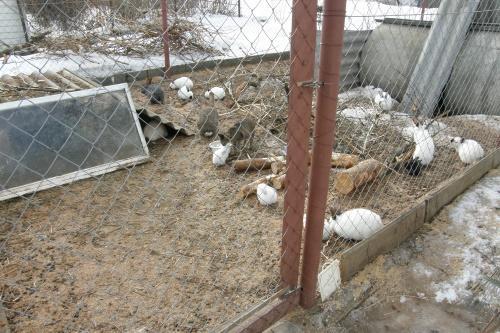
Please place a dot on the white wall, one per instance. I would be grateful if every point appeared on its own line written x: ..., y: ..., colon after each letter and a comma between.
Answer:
x: 11, y: 26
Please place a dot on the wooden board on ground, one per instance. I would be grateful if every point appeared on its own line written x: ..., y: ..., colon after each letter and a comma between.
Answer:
x: 452, y: 188
x: 263, y: 315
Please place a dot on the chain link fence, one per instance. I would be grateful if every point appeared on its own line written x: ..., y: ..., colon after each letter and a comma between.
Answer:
x: 174, y: 197
x: 405, y: 143
x: 176, y: 239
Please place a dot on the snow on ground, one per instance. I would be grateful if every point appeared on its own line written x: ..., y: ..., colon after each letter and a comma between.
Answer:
x: 492, y: 122
x: 365, y: 114
x: 475, y: 215
x: 362, y: 15
x: 401, y: 121
x: 88, y: 64
x: 265, y: 27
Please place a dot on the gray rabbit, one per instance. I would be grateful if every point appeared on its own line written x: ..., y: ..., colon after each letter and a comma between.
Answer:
x: 208, y: 122
x: 154, y: 93
x: 240, y: 134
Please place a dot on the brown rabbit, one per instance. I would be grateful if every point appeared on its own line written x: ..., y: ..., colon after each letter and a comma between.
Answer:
x: 241, y: 132
x: 208, y: 122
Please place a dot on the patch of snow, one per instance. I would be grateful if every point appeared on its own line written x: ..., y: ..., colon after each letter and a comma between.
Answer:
x: 92, y: 64
x: 366, y: 92
x: 421, y: 269
x: 447, y: 293
x: 490, y: 121
x: 474, y: 215
x: 362, y: 15
x: 420, y: 295
x: 357, y: 114
x: 402, y: 299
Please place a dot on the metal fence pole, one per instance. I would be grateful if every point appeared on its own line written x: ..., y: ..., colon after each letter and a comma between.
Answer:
x: 166, y: 50
x: 324, y: 135
x: 299, y: 114
x: 423, y: 6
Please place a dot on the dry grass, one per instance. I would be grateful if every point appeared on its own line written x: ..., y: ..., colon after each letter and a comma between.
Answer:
x: 139, y: 40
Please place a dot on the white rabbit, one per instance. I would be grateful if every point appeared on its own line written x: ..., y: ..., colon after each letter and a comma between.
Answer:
x: 185, y: 94
x: 221, y: 154
x: 371, y: 91
x: 384, y: 101
x: 424, y: 149
x: 468, y: 150
x: 407, y: 132
x: 219, y: 93
x: 266, y: 195
x: 423, y: 153
x: 327, y: 227
x: 356, y: 224
x: 182, y: 82
x: 155, y: 130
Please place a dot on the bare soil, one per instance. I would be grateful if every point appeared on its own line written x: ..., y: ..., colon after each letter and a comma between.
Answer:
x: 162, y: 246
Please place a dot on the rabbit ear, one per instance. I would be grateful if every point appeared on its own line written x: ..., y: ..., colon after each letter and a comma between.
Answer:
x: 415, y: 120
x: 223, y: 139
x: 335, y: 210
x: 462, y: 140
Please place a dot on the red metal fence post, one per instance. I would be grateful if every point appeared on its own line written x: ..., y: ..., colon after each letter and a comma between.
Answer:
x: 324, y: 136
x: 166, y: 50
x: 303, y: 45
x: 423, y: 5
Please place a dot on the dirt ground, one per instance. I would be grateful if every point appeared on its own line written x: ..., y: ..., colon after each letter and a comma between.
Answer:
x: 428, y: 284
x: 164, y: 246
x: 142, y: 247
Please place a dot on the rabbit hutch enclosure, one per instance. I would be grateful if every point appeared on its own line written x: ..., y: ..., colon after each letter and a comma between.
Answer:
x: 198, y: 165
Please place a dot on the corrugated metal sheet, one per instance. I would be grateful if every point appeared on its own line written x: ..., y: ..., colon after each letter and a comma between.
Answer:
x: 351, y: 54
x: 11, y: 25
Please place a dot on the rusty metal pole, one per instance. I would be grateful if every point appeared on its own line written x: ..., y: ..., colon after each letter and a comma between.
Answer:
x: 324, y: 135
x: 423, y: 5
x: 166, y: 50
x: 302, y: 59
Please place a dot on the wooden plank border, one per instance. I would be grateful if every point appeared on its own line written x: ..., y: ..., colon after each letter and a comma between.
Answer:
x: 355, y: 258
x: 448, y: 191
x: 265, y: 314
x: 132, y: 76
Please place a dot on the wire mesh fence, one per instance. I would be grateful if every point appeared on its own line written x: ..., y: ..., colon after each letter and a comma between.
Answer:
x: 183, y: 242
x: 404, y: 151
x: 197, y: 224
